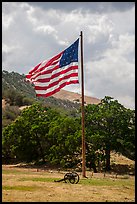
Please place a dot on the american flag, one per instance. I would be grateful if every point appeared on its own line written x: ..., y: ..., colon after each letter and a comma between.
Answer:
x: 52, y: 75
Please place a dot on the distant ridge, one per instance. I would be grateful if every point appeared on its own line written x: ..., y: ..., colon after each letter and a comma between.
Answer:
x: 75, y: 97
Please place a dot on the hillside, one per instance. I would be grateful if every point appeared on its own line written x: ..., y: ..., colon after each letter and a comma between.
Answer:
x: 15, y: 81
x: 75, y: 97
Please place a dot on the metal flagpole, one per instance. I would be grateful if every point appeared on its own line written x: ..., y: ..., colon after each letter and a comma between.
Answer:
x: 82, y: 109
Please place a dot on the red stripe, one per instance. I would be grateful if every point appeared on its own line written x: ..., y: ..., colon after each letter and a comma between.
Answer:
x: 28, y: 76
x: 58, y: 89
x: 35, y: 68
x: 46, y: 72
x: 56, y: 82
x: 56, y: 74
x: 50, y: 62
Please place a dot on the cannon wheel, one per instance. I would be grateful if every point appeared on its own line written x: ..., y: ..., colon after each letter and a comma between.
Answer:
x: 76, y: 177
x: 71, y: 177
x: 66, y: 177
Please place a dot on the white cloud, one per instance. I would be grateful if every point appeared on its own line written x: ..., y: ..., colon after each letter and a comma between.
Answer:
x: 7, y: 48
x: 7, y: 20
x: 101, y: 27
x: 114, y: 73
x: 124, y: 21
x: 46, y: 29
x: 127, y: 101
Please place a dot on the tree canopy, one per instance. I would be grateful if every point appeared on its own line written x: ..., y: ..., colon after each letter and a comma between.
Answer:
x: 110, y: 126
x: 44, y: 134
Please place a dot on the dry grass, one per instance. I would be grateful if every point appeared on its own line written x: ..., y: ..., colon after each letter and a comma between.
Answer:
x: 120, y: 159
x: 30, y: 185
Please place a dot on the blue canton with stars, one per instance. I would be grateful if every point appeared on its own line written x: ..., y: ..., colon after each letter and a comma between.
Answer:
x: 70, y: 54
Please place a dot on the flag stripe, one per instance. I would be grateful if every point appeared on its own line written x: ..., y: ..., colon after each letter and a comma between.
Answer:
x: 58, y: 85
x: 47, y: 71
x: 35, y: 68
x: 49, y: 77
x: 54, y: 83
x: 47, y: 63
x: 57, y: 89
x: 51, y: 69
x: 51, y: 61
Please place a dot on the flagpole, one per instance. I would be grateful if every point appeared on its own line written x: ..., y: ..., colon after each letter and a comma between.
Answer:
x: 82, y: 110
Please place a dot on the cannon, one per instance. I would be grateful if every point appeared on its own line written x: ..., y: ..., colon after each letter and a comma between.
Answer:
x: 71, y: 177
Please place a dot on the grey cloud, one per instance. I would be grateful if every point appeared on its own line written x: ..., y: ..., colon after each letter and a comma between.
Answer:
x: 100, y: 7
x: 5, y: 56
x: 103, y: 86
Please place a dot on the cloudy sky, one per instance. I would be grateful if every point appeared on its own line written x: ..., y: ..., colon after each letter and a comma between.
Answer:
x: 35, y: 31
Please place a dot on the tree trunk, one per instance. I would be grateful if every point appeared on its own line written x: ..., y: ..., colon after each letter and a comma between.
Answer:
x: 41, y: 150
x: 108, y: 168
x: 93, y: 165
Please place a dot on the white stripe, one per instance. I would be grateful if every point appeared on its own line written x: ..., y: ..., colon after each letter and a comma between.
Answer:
x: 46, y: 61
x: 55, y: 87
x: 42, y: 64
x: 37, y: 72
x: 36, y: 76
x: 54, y: 72
x: 54, y: 79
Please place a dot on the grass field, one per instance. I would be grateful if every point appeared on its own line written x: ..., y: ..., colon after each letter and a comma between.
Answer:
x: 30, y: 185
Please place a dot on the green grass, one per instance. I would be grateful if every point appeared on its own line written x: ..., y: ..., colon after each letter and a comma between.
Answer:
x: 106, y: 182
x: 93, y: 182
x: 39, y: 179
